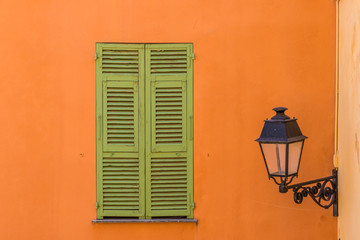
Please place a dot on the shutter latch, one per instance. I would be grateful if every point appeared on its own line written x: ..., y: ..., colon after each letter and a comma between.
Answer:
x: 96, y: 56
x: 192, y: 56
x: 192, y: 205
x: 97, y: 205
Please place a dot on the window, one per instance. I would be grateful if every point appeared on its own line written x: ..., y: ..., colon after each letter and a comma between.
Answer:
x: 144, y: 134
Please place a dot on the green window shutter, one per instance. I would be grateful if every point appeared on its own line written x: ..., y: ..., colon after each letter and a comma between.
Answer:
x: 169, y: 130
x: 120, y: 130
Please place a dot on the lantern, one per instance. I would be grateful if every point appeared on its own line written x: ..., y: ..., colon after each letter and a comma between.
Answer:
x: 281, y: 143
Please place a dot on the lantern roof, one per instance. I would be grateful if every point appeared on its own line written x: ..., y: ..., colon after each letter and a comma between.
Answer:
x: 281, y: 129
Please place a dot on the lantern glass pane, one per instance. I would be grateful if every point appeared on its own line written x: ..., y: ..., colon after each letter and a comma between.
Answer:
x: 275, y: 156
x: 294, y: 156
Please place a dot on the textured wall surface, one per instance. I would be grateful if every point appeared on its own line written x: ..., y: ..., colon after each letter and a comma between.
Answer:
x: 349, y: 121
x: 251, y: 56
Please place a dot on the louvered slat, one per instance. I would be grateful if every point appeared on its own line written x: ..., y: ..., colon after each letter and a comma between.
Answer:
x: 164, y: 118
x: 120, y: 61
x: 168, y: 116
x: 121, y: 193
x: 170, y: 195
x: 171, y: 62
x: 121, y: 116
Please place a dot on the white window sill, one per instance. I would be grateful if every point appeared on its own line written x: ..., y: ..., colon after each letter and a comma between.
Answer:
x: 157, y: 220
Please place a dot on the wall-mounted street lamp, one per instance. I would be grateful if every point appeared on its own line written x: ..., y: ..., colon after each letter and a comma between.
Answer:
x: 281, y: 143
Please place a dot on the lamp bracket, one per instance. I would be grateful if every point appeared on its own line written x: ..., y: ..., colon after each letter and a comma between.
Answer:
x: 324, y: 192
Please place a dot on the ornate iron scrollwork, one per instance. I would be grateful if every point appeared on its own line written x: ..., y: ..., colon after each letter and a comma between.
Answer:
x: 324, y: 192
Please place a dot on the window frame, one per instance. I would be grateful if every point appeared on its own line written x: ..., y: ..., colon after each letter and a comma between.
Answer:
x: 144, y: 128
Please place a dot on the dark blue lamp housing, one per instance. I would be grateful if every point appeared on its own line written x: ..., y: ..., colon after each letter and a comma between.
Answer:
x: 281, y: 143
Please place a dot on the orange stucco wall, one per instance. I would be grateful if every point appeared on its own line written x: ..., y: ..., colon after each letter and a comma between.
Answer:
x: 250, y: 57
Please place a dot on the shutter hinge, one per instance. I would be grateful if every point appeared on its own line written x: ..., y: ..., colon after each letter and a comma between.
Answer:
x: 96, y: 56
x: 97, y: 205
x: 192, y: 56
x: 192, y: 205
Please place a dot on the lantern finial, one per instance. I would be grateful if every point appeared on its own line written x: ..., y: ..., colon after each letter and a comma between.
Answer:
x: 280, y: 113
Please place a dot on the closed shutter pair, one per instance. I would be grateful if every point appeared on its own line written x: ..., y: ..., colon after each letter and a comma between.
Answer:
x: 144, y: 130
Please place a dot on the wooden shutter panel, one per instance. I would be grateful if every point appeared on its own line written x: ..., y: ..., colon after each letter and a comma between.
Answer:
x: 121, y: 116
x: 120, y: 130
x: 169, y: 141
